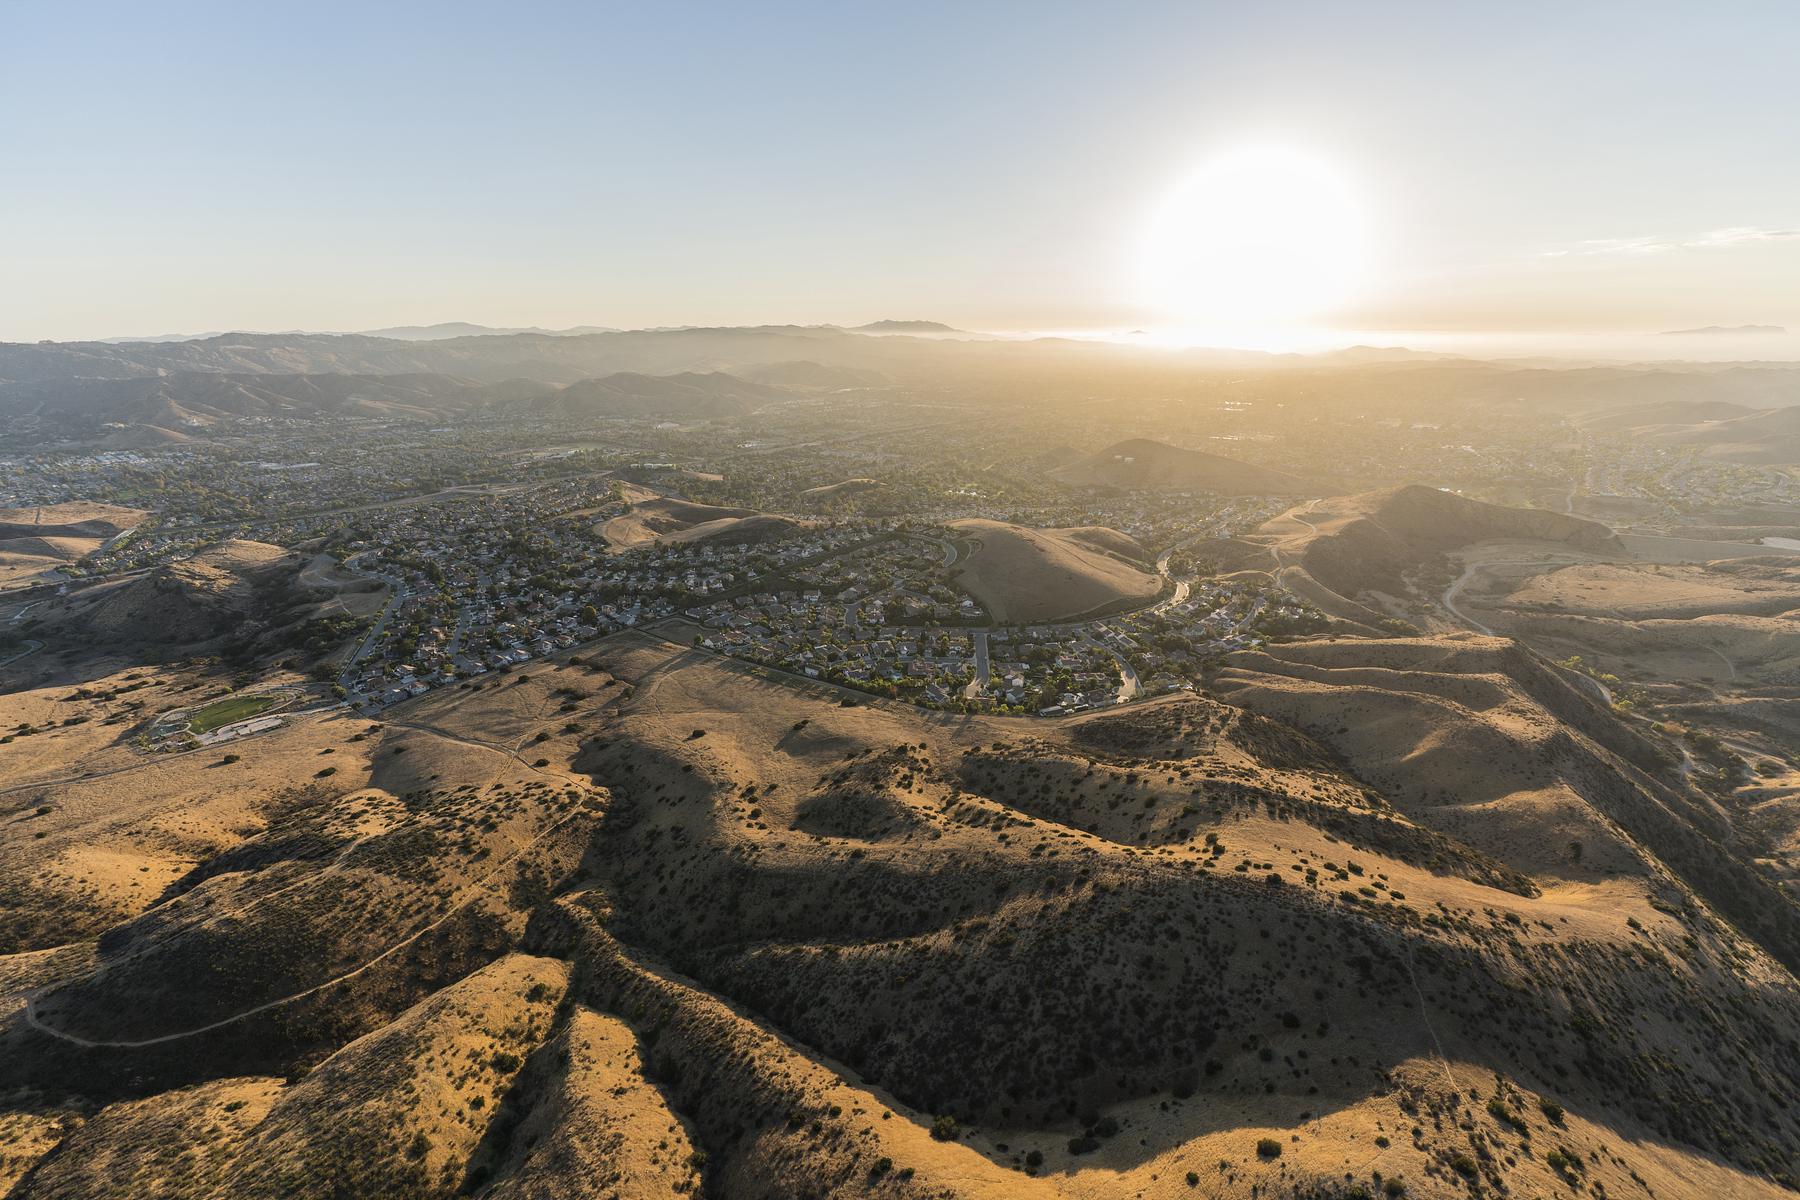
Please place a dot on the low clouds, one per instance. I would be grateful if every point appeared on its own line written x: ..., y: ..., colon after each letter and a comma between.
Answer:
x: 1717, y: 239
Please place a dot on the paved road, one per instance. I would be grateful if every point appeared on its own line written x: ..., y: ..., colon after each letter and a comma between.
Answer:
x: 1276, y: 549
x: 979, y: 684
x: 1130, y: 688
x: 381, y: 623
x: 1183, y: 588
x: 1456, y: 586
x: 1468, y: 572
x: 31, y: 646
x: 1129, y: 685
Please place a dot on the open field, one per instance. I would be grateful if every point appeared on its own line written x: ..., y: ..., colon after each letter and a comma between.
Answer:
x: 227, y: 711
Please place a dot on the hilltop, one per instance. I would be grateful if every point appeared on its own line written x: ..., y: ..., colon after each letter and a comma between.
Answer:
x: 890, y: 326
x: 247, y: 600
x: 1143, y: 465
x: 1023, y: 575
x: 195, y: 600
x: 664, y: 519
x: 1361, y: 548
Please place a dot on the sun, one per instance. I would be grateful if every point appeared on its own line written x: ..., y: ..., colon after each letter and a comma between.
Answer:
x: 1257, y: 239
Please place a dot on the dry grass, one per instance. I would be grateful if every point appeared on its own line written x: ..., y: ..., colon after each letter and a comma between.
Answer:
x: 1023, y: 575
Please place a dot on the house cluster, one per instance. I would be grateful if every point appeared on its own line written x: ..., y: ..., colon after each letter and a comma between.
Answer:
x: 806, y: 638
x: 1050, y: 670
x: 491, y: 581
x: 897, y: 580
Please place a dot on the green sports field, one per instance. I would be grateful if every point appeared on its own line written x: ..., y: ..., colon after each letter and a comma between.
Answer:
x: 228, y: 710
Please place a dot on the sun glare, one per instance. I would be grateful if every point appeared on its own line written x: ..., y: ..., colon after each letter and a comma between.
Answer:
x: 1256, y: 241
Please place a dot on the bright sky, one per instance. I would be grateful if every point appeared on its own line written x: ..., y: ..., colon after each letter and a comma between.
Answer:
x: 1522, y: 166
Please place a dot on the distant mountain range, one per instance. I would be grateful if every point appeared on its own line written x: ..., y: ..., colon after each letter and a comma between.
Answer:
x: 134, y: 394
x: 904, y: 327
x: 444, y: 330
x: 403, y: 333
x: 1732, y: 329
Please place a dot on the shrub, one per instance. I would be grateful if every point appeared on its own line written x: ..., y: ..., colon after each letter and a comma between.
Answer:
x: 1268, y: 1148
x: 1498, y: 1110
x: 1083, y: 1144
x: 945, y: 1128
x: 1552, y: 1111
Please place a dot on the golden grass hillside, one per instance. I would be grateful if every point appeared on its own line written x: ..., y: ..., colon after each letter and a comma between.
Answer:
x: 1022, y: 575
x: 36, y: 540
x: 663, y: 519
x: 646, y: 922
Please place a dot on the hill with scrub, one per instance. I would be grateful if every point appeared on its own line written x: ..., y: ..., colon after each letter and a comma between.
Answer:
x: 651, y: 919
x: 1348, y: 550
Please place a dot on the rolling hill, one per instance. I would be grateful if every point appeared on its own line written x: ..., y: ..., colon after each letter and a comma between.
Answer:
x: 1336, y: 550
x: 1413, y: 910
x: 665, y: 519
x: 1022, y: 575
x: 1767, y: 436
x: 40, y: 539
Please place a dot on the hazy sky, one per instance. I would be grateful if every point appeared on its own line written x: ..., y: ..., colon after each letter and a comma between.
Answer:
x: 181, y: 167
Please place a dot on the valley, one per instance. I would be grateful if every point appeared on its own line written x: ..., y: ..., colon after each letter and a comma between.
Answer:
x: 889, y: 772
